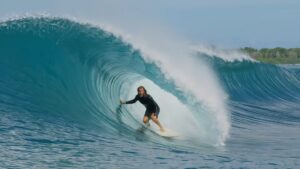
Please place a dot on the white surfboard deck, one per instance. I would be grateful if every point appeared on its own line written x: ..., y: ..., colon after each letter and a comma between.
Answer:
x: 168, y: 133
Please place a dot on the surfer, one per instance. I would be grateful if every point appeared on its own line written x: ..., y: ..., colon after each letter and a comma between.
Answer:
x: 152, y: 108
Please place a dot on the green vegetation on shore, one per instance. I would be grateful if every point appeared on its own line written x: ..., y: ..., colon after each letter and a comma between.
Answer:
x: 276, y: 55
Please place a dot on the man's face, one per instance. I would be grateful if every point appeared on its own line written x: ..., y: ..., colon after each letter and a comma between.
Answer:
x: 141, y: 91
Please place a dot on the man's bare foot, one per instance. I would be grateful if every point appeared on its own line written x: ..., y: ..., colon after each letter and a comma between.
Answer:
x: 162, y: 129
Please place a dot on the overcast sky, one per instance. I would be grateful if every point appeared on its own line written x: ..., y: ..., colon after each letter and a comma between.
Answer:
x: 226, y: 23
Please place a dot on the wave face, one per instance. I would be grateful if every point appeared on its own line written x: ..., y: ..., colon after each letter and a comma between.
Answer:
x: 61, y: 82
x: 75, y: 70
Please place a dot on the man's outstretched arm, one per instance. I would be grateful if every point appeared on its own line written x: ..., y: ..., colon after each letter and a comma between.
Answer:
x: 130, y: 101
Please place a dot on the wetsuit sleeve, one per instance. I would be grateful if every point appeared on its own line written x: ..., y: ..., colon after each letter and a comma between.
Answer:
x: 133, y: 100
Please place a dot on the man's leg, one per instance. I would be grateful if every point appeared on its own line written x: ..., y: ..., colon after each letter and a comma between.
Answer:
x: 156, y: 121
x: 146, y: 121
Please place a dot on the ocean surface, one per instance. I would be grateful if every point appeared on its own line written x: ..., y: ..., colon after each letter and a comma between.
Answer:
x: 60, y: 85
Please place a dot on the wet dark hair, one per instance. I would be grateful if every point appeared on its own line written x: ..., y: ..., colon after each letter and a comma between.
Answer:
x: 142, y: 87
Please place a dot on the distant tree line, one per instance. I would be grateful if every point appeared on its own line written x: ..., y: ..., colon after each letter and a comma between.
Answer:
x: 275, y: 55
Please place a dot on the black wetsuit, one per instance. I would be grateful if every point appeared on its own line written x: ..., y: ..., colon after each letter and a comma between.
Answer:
x: 148, y: 102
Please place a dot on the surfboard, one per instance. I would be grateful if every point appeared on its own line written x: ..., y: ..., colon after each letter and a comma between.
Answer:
x: 168, y: 133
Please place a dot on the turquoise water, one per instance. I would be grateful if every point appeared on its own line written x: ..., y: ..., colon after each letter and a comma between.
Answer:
x: 61, y: 82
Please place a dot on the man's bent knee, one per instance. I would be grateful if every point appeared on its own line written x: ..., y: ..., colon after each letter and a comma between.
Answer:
x: 145, y: 120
